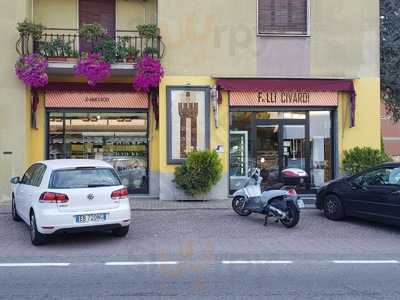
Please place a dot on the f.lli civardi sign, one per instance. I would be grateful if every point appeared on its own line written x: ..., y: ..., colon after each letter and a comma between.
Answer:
x: 283, y: 98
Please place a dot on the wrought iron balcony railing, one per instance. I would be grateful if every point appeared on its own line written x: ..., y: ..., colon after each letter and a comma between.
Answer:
x: 123, y: 46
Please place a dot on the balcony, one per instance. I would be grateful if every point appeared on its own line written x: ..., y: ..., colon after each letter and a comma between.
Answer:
x: 62, y: 48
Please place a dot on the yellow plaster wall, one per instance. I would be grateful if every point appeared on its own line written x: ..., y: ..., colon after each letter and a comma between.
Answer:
x: 56, y: 13
x: 13, y: 95
x: 367, y: 130
x: 37, y: 137
x: 344, y: 38
x: 131, y: 13
x: 208, y: 37
x: 218, y: 136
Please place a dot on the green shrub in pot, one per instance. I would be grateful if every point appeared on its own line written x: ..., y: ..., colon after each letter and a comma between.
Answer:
x: 360, y: 159
x: 199, y: 172
x: 91, y: 33
x: 29, y: 28
x: 149, y: 31
x: 107, y: 47
x: 151, y: 51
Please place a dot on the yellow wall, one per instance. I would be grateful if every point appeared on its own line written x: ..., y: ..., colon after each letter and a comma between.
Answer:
x: 367, y: 130
x: 64, y: 13
x: 56, y: 13
x: 13, y: 95
x: 208, y: 37
x: 36, y: 138
x: 218, y: 136
x: 344, y: 38
x: 131, y: 13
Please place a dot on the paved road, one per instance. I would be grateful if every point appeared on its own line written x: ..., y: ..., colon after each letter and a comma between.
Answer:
x: 206, y: 254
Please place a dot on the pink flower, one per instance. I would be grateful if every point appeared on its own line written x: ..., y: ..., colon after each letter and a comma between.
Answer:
x: 148, y: 75
x: 94, y: 68
x: 31, y: 69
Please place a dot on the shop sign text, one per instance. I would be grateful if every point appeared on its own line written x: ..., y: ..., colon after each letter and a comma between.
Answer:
x: 284, y: 98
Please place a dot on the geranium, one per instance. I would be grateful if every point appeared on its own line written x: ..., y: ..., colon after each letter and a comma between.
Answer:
x: 31, y: 69
x: 94, y: 68
x: 148, y: 75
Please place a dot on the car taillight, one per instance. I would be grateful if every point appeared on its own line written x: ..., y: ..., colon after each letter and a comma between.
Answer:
x: 49, y: 197
x: 292, y: 192
x: 120, y: 194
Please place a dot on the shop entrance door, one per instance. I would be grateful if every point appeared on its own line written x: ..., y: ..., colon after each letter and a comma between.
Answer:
x: 280, y: 144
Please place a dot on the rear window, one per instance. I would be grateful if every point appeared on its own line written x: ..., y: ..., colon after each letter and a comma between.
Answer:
x: 83, y: 178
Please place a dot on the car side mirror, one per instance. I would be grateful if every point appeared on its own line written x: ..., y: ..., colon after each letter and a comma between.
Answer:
x: 15, y: 180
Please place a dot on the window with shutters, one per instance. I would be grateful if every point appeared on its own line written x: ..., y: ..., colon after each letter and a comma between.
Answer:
x: 283, y: 17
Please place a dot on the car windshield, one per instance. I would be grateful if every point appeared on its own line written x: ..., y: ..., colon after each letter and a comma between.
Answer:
x: 83, y: 178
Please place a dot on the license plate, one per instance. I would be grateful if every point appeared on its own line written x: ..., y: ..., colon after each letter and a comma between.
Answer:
x: 97, y: 218
x: 300, y: 203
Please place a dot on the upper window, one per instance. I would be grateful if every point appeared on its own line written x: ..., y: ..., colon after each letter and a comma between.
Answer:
x: 283, y: 17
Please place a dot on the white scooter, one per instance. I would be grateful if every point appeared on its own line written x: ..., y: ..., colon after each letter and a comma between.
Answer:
x: 283, y: 203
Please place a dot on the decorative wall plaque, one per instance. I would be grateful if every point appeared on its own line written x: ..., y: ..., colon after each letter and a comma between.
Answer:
x: 188, y: 111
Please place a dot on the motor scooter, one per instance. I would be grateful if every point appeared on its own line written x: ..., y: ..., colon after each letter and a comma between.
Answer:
x: 282, y: 203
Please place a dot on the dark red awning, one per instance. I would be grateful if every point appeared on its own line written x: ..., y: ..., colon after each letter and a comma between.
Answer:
x: 304, y: 85
x: 309, y: 85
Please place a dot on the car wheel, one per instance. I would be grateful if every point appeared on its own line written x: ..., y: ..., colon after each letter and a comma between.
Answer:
x: 333, y: 208
x: 14, y: 212
x: 37, y: 238
x: 120, y: 232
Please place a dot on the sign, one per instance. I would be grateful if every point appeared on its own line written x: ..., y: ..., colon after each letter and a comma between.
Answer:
x: 95, y: 99
x: 283, y: 98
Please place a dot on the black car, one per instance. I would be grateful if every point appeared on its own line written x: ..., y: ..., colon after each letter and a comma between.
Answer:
x: 373, y: 194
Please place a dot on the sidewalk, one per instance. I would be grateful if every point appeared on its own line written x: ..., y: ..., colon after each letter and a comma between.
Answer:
x: 155, y: 204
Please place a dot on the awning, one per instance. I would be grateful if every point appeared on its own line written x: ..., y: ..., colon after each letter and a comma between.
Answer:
x: 106, y: 96
x: 304, y: 85
x: 242, y: 88
x: 82, y: 99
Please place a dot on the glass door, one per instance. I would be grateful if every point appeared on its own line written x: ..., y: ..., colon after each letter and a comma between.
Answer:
x: 294, y: 146
x: 268, y: 153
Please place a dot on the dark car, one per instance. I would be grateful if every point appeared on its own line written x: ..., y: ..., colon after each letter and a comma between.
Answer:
x: 373, y: 194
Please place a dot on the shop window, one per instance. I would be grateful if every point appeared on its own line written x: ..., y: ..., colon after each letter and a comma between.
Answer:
x: 283, y: 17
x: 321, y: 147
x: 118, y: 138
x: 240, y: 148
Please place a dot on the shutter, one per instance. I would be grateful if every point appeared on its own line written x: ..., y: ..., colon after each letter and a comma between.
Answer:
x: 97, y: 11
x: 282, y: 16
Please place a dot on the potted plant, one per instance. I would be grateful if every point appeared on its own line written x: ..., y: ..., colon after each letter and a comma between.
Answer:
x: 31, y: 69
x: 148, y: 77
x: 93, y: 67
x: 92, y: 33
x: 55, y: 50
x: 107, y: 47
x: 28, y: 28
x: 151, y: 51
x: 199, y: 173
x: 73, y: 56
x: 133, y: 54
x: 148, y: 31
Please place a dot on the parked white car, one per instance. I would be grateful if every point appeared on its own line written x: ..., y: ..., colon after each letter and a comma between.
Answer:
x: 70, y: 195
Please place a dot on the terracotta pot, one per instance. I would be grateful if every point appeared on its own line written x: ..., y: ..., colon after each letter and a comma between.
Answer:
x: 57, y: 59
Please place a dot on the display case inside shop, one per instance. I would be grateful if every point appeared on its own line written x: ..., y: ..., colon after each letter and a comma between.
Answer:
x: 120, y: 139
x: 238, y: 158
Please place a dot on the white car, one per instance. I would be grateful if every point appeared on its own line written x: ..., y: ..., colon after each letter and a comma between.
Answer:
x: 70, y: 195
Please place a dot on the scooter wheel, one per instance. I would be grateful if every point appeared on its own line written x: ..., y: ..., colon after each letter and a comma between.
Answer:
x: 293, y: 217
x: 237, y: 205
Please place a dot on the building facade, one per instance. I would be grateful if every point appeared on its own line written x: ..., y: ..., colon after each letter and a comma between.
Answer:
x: 390, y: 134
x: 275, y: 84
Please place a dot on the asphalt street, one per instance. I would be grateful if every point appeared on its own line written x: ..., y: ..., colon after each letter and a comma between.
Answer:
x: 211, y: 254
